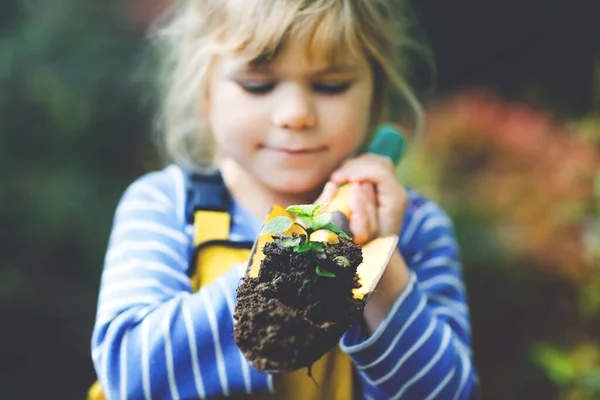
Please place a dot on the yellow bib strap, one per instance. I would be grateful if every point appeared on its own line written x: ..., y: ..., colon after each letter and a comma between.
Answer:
x: 95, y: 392
x: 210, y: 225
x: 215, y: 255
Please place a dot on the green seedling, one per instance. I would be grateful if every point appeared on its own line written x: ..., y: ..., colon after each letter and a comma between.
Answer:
x: 310, y: 218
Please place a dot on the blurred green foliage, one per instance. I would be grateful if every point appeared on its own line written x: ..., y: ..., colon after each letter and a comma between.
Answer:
x: 73, y: 136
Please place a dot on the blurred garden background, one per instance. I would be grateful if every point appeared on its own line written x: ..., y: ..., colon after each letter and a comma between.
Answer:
x: 511, y: 150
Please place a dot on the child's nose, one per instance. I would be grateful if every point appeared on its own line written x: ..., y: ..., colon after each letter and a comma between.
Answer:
x: 294, y: 109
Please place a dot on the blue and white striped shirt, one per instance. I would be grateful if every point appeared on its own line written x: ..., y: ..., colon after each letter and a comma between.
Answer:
x: 156, y: 339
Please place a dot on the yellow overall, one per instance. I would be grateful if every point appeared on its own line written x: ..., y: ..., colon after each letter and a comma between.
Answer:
x: 214, y: 255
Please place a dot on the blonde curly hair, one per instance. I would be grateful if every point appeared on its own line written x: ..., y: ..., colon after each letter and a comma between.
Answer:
x: 192, y: 33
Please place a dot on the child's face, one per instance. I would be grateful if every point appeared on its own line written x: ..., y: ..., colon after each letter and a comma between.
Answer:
x: 290, y: 123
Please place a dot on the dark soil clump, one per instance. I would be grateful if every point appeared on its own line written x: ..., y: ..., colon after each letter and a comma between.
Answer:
x: 290, y: 316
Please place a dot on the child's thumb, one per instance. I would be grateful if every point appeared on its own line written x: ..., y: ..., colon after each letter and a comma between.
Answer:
x: 328, y: 193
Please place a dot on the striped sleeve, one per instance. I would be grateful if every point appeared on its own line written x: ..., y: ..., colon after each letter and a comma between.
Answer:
x: 422, y: 349
x: 153, y: 338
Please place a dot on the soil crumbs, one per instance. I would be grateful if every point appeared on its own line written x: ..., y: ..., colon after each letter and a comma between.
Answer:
x: 290, y: 316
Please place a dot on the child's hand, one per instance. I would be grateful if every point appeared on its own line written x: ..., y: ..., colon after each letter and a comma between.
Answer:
x: 377, y: 201
x: 377, y: 204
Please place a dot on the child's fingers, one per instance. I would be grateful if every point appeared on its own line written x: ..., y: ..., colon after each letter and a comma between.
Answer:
x: 366, y: 167
x: 371, y: 206
x: 359, y: 222
x: 368, y: 191
x: 369, y: 167
x: 391, y: 197
x: 327, y: 194
x: 374, y: 169
x: 363, y: 219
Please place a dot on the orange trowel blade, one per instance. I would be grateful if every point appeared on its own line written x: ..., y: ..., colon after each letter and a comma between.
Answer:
x: 376, y: 255
x: 256, y: 255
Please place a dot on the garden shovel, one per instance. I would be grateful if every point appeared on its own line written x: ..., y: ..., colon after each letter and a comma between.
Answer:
x: 388, y: 142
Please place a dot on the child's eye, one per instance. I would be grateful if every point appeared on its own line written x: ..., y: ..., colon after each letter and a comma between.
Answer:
x: 331, y: 88
x: 257, y: 88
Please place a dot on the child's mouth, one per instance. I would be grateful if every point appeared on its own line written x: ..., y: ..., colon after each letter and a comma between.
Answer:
x: 296, y: 152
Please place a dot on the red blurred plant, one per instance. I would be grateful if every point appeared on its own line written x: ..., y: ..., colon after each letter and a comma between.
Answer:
x: 532, y: 174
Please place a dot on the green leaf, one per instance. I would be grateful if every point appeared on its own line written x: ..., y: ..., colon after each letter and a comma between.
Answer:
x: 316, y: 223
x: 277, y: 226
x: 326, y: 274
x: 320, y: 221
x: 317, y: 209
x: 302, y: 248
x: 336, y: 229
x: 303, y: 210
x: 291, y: 241
x: 308, y: 246
x: 307, y: 222
x: 316, y: 245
